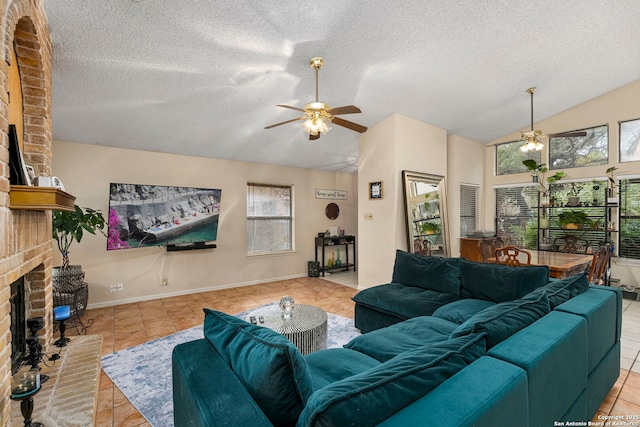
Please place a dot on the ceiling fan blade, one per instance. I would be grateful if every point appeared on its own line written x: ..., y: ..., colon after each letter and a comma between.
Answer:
x: 290, y: 107
x: 314, y: 137
x: 347, y: 109
x: 284, y: 123
x: 349, y: 125
x: 567, y: 135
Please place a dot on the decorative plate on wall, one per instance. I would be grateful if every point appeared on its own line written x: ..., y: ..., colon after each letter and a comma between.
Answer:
x: 332, y: 211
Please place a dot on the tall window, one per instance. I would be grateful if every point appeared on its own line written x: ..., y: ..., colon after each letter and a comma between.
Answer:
x: 269, y: 218
x: 509, y: 158
x: 516, y: 220
x: 576, y: 151
x: 630, y: 140
x: 630, y: 218
x: 468, y: 208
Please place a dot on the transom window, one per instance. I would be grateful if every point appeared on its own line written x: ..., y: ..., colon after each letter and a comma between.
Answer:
x: 577, y: 151
x: 630, y: 140
x: 269, y: 218
x: 509, y: 158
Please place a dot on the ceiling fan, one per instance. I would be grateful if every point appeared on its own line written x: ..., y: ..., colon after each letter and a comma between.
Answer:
x: 532, y: 138
x: 317, y: 114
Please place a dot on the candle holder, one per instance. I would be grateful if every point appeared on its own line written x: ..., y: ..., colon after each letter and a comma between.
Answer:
x: 286, y: 306
x: 25, y: 385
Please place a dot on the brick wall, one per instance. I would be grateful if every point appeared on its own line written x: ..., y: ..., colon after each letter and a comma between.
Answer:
x: 25, y: 236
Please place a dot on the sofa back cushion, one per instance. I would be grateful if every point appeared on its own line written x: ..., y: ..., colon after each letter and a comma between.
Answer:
x: 562, y: 290
x: 368, y: 398
x: 269, y: 366
x: 433, y: 273
x: 460, y: 311
x: 500, y: 283
x: 502, y: 320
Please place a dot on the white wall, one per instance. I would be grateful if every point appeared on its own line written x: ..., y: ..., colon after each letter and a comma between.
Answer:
x: 465, y: 166
x: 610, y: 108
x: 397, y: 143
x: 86, y: 171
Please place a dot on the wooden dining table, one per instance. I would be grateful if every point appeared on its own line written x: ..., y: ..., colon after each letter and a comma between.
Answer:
x: 560, y: 264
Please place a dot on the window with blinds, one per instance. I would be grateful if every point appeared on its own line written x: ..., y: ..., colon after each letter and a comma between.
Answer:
x: 516, y: 216
x: 269, y: 218
x: 629, y: 245
x: 468, y: 208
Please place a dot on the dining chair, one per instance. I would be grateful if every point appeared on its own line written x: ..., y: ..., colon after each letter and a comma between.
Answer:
x: 510, y: 255
x: 422, y: 247
x: 599, y: 264
x: 571, y: 244
x: 487, y: 247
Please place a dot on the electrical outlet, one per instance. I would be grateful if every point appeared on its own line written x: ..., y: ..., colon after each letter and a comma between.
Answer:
x: 165, y: 282
x: 113, y: 287
x: 120, y: 287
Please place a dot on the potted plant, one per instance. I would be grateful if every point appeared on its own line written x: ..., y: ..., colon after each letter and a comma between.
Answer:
x: 552, y: 180
x: 537, y: 172
x: 572, y: 219
x: 430, y: 228
x: 612, y: 184
x: 68, y: 226
x: 574, y: 194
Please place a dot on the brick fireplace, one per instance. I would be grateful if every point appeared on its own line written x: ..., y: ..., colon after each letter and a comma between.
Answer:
x: 25, y: 235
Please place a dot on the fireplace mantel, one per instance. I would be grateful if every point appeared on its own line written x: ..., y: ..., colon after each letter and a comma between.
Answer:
x: 29, y: 197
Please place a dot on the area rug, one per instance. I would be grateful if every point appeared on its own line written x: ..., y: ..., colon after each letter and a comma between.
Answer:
x: 143, y: 372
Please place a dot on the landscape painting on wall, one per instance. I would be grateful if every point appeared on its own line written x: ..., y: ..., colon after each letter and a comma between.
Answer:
x: 156, y: 215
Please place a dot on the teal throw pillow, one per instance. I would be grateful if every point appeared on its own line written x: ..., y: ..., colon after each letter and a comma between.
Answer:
x: 366, y: 399
x: 500, y: 283
x: 502, y: 320
x: 433, y: 273
x: 562, y: 290
x: 269, y: 366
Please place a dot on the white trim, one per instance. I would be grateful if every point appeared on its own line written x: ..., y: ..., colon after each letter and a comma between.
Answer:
x: 191, y: 291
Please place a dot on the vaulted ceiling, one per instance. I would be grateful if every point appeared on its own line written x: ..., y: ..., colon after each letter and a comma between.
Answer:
x: 202, y: 77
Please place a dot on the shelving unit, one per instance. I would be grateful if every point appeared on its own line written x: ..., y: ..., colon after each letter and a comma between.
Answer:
x: 27, y: 197
x: 603, y: 212
x: 339, y: 242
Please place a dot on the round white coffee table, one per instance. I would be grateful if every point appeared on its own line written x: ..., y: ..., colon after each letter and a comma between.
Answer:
x: 306, y: 328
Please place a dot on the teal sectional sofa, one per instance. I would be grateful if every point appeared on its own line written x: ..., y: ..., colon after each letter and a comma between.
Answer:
x: 489, y: 346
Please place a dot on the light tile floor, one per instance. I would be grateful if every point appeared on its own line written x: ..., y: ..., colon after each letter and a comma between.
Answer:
x: 128, y: 325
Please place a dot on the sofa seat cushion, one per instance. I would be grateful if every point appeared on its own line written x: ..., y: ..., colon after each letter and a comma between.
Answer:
x: 335, y: 364
x: 368, y: 398
x: 269, y: 366
x: 502, y: 320
x: 562, y: 290
x: 434, y: 273
x: 386, y: 343
x: 403, y: 301
x: 460, y: 311
x: 500, y: 283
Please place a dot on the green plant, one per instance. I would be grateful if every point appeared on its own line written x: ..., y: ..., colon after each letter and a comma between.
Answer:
x: 612, y: 177
x: 573, y: 217
x: 430, y: 227
x: 537, y: 169
x: 70, y: 225
x: 556, y: 177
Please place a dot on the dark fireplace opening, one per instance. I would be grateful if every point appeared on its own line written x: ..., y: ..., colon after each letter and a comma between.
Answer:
x: 18, y: 325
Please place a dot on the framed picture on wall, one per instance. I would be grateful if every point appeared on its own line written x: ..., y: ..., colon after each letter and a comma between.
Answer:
x: 375, y: 190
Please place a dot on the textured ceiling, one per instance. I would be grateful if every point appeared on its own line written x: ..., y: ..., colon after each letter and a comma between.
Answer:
x: 202, y: 77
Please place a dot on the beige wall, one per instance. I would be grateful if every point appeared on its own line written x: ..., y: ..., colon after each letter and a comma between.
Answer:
x: 397, y: 143
x: 464, y: 166
x: 86, y: 171
x: 610, y: 108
